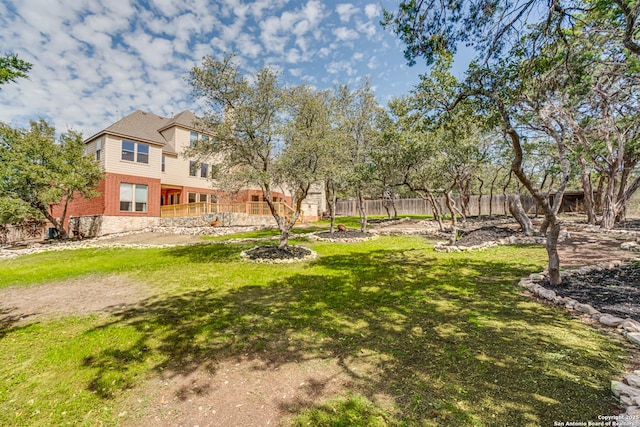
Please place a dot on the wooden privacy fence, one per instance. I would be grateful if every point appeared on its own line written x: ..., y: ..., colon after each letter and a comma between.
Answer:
x: 478, y: 205
x: 28, y: 231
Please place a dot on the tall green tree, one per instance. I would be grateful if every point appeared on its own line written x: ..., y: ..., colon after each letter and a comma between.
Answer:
x: 307, y: 154
x: 507, y: 85
x: 43, y: 171
x: 430, y: 28
x: 12, y: 68
x: 356, y: 127
x: 268, y: 135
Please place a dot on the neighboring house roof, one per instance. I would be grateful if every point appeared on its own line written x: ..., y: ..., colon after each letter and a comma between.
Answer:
x: 147, y: 127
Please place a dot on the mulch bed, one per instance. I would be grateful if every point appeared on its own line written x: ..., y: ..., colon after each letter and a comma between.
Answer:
x: 615, y: 291
x: 349, y: 234
x: 484, y: 235
x: 276, y: 253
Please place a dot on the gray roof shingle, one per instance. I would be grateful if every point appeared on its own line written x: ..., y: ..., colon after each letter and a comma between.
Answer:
x: 147, y: 127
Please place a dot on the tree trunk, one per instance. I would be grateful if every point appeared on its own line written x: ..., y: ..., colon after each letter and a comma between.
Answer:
x: 480, y: 197
x: 609, y: 205
x: 361, y: 211
x: 332, y: 214
x: 386, y: 208
x: 517, y: 211
x: 491, y: 188
x: 393, y: 206
x: 599, y: 193
x: 284, y: 237
x: 62, y: 233
x: 454, y: 223
x: 435, y: 208
x: 589, y: 206
x: 539, y: 196
x: 331, y: 197
x: 551, y: 246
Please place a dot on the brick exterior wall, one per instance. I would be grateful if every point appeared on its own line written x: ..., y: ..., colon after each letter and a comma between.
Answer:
x: 80, y: 206
x: 112, y: 195
x: 108, y: 202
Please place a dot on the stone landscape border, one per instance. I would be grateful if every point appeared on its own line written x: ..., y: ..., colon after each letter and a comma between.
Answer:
x: 312, y: 255
x: 313, y: 236
x: 627, y: 390
x: 512, y: 240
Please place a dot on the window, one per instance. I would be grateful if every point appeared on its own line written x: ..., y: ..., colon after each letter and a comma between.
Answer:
x: 255, y: 198
x: 98, y: 148
x: 130, y: 148
x: 194, y: 137
x: 163, y: 162
x: 204, y: 170
x: 193, y: 168
x: 133, y: 197
x: 203, y: 198
x: 192, y: 198
x: 143, y: 153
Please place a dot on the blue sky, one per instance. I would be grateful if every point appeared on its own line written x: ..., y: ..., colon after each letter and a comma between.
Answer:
x: 96, y: 61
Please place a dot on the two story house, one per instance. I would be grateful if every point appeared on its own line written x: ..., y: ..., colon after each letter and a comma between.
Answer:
x: 142, y: 156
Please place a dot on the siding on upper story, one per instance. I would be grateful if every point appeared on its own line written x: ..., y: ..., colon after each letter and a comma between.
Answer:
x: 177, y: 167
x: 91, y: 148
x: 115, y: 164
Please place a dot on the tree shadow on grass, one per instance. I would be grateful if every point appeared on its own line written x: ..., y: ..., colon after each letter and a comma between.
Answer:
x: 10, y: 319
x: 447, y: 338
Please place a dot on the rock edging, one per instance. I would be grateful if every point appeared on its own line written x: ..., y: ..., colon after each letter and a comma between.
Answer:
x: 512, y: 240
x: 312, y: 255
x: 313, y: 236
x: 628, y: 390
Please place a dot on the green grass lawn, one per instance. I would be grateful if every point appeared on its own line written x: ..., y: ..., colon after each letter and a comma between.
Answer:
x: 448, y: 337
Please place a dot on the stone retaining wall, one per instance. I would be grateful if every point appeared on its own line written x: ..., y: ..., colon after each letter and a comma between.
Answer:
x: 223, y: 219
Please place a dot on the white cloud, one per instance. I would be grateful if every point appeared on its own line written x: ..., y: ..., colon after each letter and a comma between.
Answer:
x: 345, y: 34
x: 367, y: 28
x: 247, y: 45
x: 94, y: 58
x: 339, y: 67
x: 324, y: 52
x: 372, y: 10
x: 345, y: 11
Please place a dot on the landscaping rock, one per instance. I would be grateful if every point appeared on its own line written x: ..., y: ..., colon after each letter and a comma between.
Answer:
x: 570, y: 303
x: 633, y: 411
x: 621, y: 389
x: 610, y: 320
x: 634, y: 337
x: 630, y: 325
x: 585, y: 308
x: 633, y: 380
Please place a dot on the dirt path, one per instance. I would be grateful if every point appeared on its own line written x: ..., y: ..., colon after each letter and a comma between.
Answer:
x: 85, y: 295
x: 586, y: 248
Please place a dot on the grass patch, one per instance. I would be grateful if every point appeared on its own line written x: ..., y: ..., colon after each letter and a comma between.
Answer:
x: 265, y: 233
x: 447, y: 338
x: 353, y: 222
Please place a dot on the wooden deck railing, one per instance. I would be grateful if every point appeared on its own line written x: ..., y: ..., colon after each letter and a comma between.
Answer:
x: 249, y: 208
